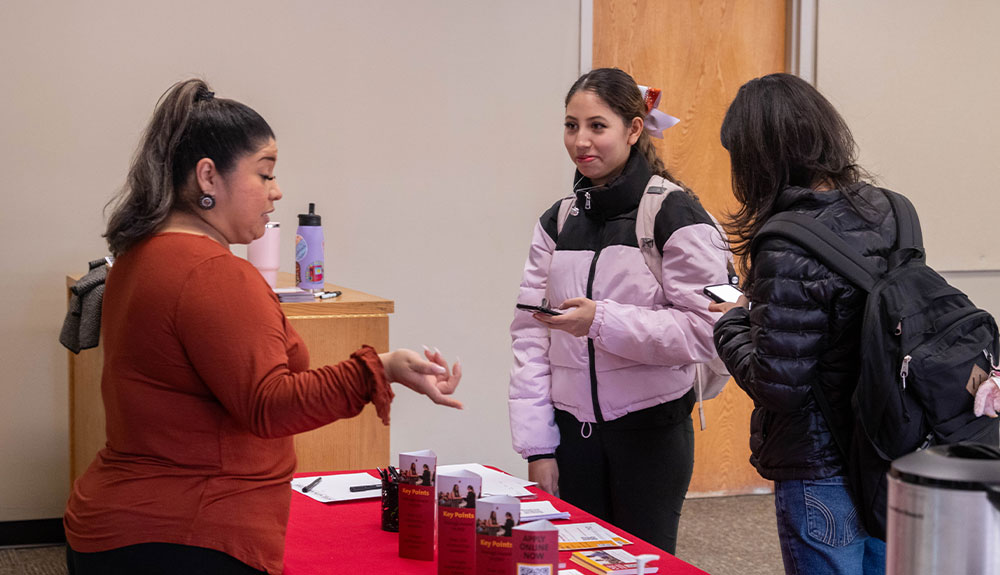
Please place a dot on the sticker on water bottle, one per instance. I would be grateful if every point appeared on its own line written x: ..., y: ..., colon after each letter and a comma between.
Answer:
x: 301, y: 248
x: 316, y: 272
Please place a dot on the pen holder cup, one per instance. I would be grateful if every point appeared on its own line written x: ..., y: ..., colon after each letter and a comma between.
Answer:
x: 390, y: 506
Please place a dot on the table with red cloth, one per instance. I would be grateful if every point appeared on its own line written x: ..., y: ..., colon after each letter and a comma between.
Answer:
x: 347, y: 537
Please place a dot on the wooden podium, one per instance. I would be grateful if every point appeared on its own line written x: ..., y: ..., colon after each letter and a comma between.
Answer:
x: 332, y: 330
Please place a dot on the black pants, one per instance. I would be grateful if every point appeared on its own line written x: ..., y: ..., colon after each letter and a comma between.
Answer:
x: 632, y: 472
x: 156, y: 559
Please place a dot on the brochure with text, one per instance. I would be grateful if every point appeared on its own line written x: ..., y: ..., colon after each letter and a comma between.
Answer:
x: 457, y: 492
x: 496, y: 517
x: 604, y: 561
x: 416, y: 504
x: 536, y: 548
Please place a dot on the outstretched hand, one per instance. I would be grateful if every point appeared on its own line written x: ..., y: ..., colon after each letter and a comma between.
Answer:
x: 430, y: 376
x: 576, y: 321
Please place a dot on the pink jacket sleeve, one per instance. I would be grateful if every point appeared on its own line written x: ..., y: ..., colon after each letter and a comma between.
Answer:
x: 532, y: 424
x: 681, y: 332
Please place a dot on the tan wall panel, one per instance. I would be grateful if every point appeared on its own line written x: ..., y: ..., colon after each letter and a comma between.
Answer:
x: 361, y: 442
x: 699, y: 54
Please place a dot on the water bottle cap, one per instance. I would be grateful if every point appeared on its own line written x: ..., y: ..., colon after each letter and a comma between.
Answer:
x: 310, y: 219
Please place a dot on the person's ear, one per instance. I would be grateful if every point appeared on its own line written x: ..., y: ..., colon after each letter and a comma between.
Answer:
x: 206, y: 176
x: 635, y: 130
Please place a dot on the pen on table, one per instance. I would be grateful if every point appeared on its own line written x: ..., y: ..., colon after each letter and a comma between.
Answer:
x: 356, y: 488
x: 314, y: 483
x: 328, y: 294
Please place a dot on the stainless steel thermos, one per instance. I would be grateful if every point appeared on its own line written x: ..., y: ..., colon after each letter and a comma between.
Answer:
x: 944, y: 511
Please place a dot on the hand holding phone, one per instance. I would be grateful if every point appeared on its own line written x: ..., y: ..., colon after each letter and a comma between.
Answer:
x: 539, y: 309
x: 723, y: 293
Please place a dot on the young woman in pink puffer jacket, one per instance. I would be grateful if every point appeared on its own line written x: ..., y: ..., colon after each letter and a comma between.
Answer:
x: 601, y: 395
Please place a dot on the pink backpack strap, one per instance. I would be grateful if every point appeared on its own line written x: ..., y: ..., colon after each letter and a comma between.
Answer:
x: 564, y: 209
x: 652, y: 199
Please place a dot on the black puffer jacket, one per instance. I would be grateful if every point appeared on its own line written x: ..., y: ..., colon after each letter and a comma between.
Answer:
x: 804, y: 325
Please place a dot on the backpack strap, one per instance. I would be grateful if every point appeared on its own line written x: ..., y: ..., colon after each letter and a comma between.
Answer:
x: 908, y: 234
x: 822, y: 243
x: 837, y: 255
x: 657, y: 190
x: 564, y: 209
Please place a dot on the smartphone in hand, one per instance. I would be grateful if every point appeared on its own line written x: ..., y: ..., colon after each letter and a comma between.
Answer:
x: 723, y: 293
x: 539, y: 309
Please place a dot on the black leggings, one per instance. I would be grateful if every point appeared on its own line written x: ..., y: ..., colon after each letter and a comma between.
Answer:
x: 632, y: 472
x: 156, y: 559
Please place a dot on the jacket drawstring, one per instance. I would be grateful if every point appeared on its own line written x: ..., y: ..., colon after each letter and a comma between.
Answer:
x: 585, y: 425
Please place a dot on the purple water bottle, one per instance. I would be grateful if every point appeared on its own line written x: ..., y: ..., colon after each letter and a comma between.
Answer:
x: 309, y: 251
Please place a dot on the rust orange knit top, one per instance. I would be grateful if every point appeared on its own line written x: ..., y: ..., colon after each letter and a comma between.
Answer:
x: 204, y: 383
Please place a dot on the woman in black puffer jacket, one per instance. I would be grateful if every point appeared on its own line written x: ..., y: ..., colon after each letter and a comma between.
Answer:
x: 791, y: 151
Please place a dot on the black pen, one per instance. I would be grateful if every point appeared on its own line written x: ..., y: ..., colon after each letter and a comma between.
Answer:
x: 314, y: 483
x: 356, y: 488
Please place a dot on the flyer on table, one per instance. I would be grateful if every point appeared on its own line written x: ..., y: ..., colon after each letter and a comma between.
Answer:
x: 536, y: 548
x: 496, y: 517
x: 457, y: 492
x: 416, y: 504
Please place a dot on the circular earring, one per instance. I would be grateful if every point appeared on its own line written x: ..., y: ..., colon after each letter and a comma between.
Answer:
x: 206, y: 202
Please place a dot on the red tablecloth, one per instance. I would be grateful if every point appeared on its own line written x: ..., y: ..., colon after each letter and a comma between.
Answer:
x: 347, y: 537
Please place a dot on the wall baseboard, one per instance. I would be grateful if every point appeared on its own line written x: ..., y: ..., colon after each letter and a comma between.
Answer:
x: 32, y: 532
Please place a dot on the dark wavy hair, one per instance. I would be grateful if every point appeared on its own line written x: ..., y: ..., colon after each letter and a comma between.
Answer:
x: 621, y: 93
x: 188, y: 124
x: 781, y: 132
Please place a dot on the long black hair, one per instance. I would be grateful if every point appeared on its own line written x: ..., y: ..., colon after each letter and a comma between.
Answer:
x: 780, y: 132
x: 188, y: 124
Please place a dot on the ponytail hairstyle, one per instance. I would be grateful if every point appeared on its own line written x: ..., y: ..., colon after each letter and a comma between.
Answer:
x: 781, y: 132
x: 620, y: 92
x: 188, y: 124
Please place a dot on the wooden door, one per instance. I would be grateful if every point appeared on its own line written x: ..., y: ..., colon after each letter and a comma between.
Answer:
x: 699, y: 53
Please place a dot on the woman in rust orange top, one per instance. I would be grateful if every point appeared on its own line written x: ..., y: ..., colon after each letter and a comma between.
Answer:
x: 203, y: 390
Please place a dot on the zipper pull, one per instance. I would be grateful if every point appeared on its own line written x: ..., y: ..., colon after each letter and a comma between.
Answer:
x: 899, y: 328
x: 586, y: 196
x: 905, y: 369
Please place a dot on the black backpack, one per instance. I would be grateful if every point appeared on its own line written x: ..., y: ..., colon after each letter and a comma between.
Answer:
x: 925, y: 348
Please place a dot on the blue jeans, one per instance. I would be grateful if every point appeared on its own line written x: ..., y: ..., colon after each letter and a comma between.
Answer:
x: 820, y: 531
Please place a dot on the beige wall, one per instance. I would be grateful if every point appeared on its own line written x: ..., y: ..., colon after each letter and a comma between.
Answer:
x: 427, y: 133
x: 918, y: 82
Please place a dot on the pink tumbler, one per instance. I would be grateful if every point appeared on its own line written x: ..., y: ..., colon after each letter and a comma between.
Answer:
x: 265, y: 253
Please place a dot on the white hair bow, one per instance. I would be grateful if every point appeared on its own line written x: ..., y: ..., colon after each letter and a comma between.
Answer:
x: 655, y: 120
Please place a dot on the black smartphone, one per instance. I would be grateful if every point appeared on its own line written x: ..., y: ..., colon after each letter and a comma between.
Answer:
x: 723, y: 293
x: 539, y: 309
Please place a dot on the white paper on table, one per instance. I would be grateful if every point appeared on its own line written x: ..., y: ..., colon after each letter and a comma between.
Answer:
x: 494, y: 482
x: 576, y: 536
x: 541, y: 509
x: 569, y: 572
x: 332, y: 488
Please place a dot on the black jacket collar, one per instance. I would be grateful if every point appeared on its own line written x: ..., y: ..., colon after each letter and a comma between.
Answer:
x: 621, y: 195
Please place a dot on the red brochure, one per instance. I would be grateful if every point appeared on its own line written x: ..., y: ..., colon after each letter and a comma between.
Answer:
x: 496, y: 518
x: 536, y: 548
x: 416, y: 504
x: 457, y: 494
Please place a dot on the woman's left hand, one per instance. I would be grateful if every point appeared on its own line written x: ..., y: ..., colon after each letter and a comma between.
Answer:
x: 430, y: 377
x: 726, y: 306
x: 575, y: 322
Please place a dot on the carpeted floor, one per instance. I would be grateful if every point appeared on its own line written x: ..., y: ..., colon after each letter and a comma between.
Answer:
x: 720, y: 535
x: 730, y: 535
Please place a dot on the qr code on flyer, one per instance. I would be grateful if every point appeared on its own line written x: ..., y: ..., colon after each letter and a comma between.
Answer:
x: 523, y: 569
